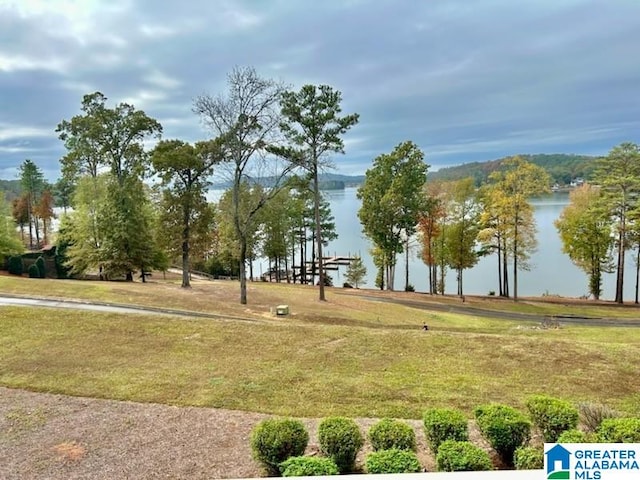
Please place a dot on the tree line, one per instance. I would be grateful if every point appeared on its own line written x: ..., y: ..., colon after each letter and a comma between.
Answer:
x: 135, y: 209
x: 456, y: 223
x: 562, y: 168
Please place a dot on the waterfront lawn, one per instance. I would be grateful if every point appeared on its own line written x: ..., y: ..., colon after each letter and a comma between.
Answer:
x: 369, y: 366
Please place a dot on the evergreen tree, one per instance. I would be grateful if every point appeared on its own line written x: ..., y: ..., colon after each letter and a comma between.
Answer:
x: 32, y: 182
x: 314, y: 128
x: 356, y: 272
x: 618, y: 175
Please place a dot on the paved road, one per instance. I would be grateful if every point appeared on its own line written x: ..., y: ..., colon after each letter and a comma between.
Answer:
x: 504, y: 315
x: 9, y: 300
x: 437, y: 307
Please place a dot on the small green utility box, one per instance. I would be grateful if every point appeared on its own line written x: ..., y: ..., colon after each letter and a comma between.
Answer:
x: 282, y: 310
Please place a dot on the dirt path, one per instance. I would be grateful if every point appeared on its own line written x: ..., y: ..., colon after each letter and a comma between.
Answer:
x: 46, y: 436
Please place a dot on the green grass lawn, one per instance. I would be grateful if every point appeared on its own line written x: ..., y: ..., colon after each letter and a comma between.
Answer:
x: 347, y: 356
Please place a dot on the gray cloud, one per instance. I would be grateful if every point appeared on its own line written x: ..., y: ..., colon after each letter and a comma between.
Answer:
x: 466, y: 80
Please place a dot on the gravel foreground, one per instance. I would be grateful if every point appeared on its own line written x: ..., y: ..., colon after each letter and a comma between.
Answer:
x: 46, y: 436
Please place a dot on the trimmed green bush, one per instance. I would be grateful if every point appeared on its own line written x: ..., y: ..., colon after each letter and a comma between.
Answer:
x: 276, y: 439
x: 592, y: 415
x: 340, y: 440
x: 389, y: 433
x: 552, y: 416
x: 454, y: 456
x: 392, y: 461
x: 528, y: 458
x: 442, y: 424
x: 619, y: 430
x: 33, y: 271
x: 42, y: 269
x: 308, y: 467
x: 15, y: 266
x: 573, y: 436
x: 504, y: 427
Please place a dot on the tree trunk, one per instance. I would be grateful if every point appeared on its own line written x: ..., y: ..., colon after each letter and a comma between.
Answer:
x: 391, y: 273
x: 620, y: 264
x: 30, y: 224
x: 637, y: 273
x: 515, y: 259
x: 316, y: 208
x: 243, y: 269
x: 406, y: 264
x: 434, y: 284
x: 505, y: 271
x: 430, y: 268
x: 286, y: 267
x: 185, y: 249
x: 303, y: 257
x: 37, y: 229
x: 501, y: 292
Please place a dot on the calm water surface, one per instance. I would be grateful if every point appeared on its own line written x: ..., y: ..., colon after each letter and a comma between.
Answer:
x: 551, y: 271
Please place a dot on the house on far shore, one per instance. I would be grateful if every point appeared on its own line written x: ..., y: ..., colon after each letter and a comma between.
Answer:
x: 577, y: 182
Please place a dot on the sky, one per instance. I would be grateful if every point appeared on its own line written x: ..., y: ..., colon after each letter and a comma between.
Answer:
x: 466, y: 80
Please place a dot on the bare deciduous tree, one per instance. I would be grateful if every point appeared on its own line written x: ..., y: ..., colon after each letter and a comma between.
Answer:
x: 246, y: 119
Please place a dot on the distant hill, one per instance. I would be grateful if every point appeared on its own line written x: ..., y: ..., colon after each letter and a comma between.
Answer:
x: 327, y: 181
x: 11, y: 189
x: 562, y: 168
x: 334, y: 181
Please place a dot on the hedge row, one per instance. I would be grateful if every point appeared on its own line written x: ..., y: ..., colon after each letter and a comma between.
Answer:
x: 279, y: 444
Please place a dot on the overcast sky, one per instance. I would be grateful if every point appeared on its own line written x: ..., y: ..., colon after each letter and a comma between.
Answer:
x: 466, y: 80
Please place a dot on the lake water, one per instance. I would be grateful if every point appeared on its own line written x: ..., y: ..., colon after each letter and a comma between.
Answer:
x: 551, y: 271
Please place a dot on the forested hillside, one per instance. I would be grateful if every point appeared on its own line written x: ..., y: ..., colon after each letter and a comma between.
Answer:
x: 562, y: 168
x: 11, y: 188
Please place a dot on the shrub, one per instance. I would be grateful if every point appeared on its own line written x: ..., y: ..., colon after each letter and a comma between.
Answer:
x: 389, y: 434
x: 392, y: 461
x: 409, y: 288
x: 308, y: 467
x: 442, y: 424
x: 42, y: 269
x: 15, y: 266
x: 276, y: 439
x: 454, y: 456
x: 504, y: 427
x: 552, y: 416
x: 619, y: 430
x: 33, y: 271
x: 574, y: 436
x: 340, y: 439
x: 592, y: 415
x: 528, y: 458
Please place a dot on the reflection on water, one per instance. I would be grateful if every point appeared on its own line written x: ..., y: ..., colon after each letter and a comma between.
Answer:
x: 551, y: 272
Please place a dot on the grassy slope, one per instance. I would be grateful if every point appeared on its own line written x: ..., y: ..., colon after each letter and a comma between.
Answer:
x: 348, y: 356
